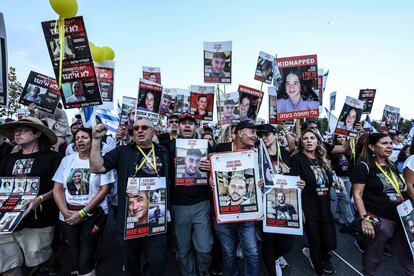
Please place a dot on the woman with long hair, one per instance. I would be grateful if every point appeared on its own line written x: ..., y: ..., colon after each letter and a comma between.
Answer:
x: 83, y: 211
x: 408, y: 172
x: 311, y: 165
x: 377, y: 190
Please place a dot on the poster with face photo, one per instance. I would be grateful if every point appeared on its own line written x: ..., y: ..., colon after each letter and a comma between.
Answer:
x: 128, y: 111
x: 249, y: 103
x: 236, y: 195
x: 148, y: 101
x: 272, y: 105
x: 42, y: 91
x: 217, y: 62
x: 16, y: 194
x: 298, y: 94
x: 146, y: 203
x: 228, y: 108
x: 168, y: 101
x: 406, y: 214
x: 202, y: 102
x: 3, y: 64
x: 367, y: 96
x: 283, y: 207
x: 105, y: 72
x: 264, y: 68
x: 152, y: 74
x: 350, y: 115
x: 332, y: 100
x: 189, y: 153
x: 182, y: 101
x: 390, y: 119
x: 80, y: 86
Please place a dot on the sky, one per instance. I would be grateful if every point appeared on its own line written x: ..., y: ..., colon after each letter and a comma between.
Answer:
x: 363, y: 44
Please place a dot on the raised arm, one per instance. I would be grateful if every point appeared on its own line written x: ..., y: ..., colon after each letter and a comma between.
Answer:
x: 95, y: 159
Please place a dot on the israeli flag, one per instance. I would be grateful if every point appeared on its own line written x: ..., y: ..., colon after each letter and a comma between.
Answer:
x: 88, y: 115
x: 110, y: 120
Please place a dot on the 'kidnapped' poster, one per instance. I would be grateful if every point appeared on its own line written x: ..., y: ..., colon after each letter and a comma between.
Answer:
x: 217, y: 62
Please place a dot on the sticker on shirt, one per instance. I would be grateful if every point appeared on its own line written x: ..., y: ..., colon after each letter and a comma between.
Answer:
x: 148, y: 168
x: 22, y: 166
x: 77, y: 183
x: 389, y: 190
x: 321, y: 178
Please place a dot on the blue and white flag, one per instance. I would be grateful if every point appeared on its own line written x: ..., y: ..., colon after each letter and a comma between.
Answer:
x: 88, y: 115
x: 110, y: 120
x: 266, y: 167
x: 325, y: 78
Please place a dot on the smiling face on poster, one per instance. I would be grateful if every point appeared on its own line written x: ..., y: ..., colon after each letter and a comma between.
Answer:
x: 149, y: 98
x: 152, y: 74
x: 264, y: 68
x: 217, y: 62
x: 350, y: 115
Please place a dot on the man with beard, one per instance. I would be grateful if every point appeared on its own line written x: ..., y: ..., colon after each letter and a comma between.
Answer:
x: 283, y: 210
x: 237, y: 190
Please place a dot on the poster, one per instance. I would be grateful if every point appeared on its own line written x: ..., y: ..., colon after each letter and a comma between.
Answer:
x: 264, y: 68
x: 105, y: 74
x: 298, y: 94
x: 202, y: 102
x: 406, y: 214
x: 42, y: 91
x: 249, y: 103
x: 152, y: 74
x: 332, y: 100
x: 15, y: 196
x: 80, y: 86
x: 283, y: 206
x: 350, y: 115
x: 147, y: 206
x: 182, y: 101
x: 236, y: 195
x: 148, y: 101
x: 3, y: 64
x: 228, y: 108
x: 367, y: 96
x: 217, y: 62
x: 168, y: 101
x: 128, y: 109
x: 390, y: 119
x: 272, y: 104
x: 189, y: 153
x: 322, y: 78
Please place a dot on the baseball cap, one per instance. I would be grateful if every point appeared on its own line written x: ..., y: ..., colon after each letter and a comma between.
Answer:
x: 244, y: 124
x: 186, y: 116
x: 266, y: 128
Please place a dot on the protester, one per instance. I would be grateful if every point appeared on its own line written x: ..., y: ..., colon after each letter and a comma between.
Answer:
x: 172, y: 124
x: 402, y: 157
x: 80, y: 196
x: 377, y: 190
x: 5, y: 147
x: 397, y: 144
x: 31, y: 242
x: 409, y: 172
x: 210, y: 137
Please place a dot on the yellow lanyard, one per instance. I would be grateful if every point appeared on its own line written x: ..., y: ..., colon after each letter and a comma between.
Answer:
x: 393, y: 181
x: 233, y: 148
x: 146, y: 158
x: 279, y: 156
x: 352, y: 145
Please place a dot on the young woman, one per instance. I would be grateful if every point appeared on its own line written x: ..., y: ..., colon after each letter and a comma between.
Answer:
x: 83, y: 207
x: 311, y: 165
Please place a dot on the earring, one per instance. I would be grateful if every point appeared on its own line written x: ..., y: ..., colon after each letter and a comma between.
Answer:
x: 373, y: 154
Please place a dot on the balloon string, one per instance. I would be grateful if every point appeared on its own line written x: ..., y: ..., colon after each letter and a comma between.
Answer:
x: 61, y: 27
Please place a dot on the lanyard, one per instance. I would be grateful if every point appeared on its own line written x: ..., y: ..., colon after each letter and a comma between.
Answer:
x: 233, y: 148
x: 393, y: 181
x: 279, y: 155
x: 146, y: 158
x: 352, y: 146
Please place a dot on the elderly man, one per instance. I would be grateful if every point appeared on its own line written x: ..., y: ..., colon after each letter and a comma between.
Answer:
x: 124, y: 159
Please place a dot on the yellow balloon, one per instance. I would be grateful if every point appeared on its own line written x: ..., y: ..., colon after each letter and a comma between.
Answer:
x: 91, y: 44
x: 98, y: 54
x: 65, y: 8
x: 108, y: 52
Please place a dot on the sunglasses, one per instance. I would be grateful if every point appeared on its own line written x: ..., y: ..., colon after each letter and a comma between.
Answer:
x: 144, y: 128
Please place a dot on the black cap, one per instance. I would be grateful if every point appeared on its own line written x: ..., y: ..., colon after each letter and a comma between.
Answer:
x: 173, y: 116
x: 244, y: 124
x: 266, y: 128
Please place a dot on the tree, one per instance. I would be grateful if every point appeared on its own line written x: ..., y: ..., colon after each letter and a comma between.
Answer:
x: 15, y: 91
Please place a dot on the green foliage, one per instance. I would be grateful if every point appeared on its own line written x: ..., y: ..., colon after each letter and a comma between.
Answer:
x: 15, y: 91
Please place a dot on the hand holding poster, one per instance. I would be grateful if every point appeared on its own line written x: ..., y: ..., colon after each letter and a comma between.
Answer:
x: 146, y: 207
x: 236, y: 194
x: 406, y: 213
x: 229, y: 108
x: 350, y: 115
x: 16, y: 194
x: 152, y: 74
x: 298, y: 95
x: 202, y: 102
x: 217, y: 62
x: 128, y: 111
x: 189, y: 153
x: 250, y: 100
x: 80, y: 86
x: 149, y: 97
x: 367, y: 96
x: 42, y: 91
x: 264, y: 68
x: 105, y: 75
x: 283, y: 207
x: 390, y: 119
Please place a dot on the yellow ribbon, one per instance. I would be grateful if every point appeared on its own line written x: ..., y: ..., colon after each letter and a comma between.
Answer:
x: 352, y: 146
x: 60, y: 26
x: 153, y: 163
x: 393, y: 181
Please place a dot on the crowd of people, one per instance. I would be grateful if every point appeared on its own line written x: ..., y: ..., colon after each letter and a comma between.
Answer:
x: 352, y: 184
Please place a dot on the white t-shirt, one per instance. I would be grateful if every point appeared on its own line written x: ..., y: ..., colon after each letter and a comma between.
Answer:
x: 79, y: 183
x: 396, y: 148
x: 409, y: 163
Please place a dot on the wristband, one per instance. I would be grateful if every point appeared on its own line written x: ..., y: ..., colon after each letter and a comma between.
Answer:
x: 82, y: 213
x: 86, y: 210
x: 41, y: 198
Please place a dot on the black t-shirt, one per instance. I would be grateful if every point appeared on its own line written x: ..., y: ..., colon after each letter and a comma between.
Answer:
x: 379, y: 195
x: 5, y: 150
x: 41, y: 164
x: 315, y: 195
x: 340, y: 164
x: 329, y: 148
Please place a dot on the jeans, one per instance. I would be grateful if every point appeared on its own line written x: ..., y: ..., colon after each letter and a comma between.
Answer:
x: 341, y: 206
x: 228, y: 234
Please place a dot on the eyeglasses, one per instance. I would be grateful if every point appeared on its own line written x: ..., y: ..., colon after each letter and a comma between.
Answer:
x: 21, y: 130
x: 143, y: 127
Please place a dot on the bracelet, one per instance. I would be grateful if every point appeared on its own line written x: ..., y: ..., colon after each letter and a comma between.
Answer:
x: 82, y: 213
x: 86, y: 210
x: 41, y: 198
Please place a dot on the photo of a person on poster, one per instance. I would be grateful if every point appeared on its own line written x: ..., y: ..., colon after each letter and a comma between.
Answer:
x: 192, y: 164
x: 228, y: 111
x: 166, y: 104
x: 295, y: 95
x: 138, y: 207
x: 238, y: 191
x: 32, y: 187
x: 7, y: 221
x: 349, y: 118
x: 247, y: 110
x: 147, y: 103
x: 202, y: 102
x: 217, y: 65
x: 34, y: 95
x: 283, y: 210
x: 78, y: 184
x: 78, y: 93
x: 69, y: 52
x: 6, y: 187
x: 19, y: 187
x: 152, y: 77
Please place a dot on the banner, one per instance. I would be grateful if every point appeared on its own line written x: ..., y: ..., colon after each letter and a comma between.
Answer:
x: 217, y: 62
x: 367, y: 96
x: 189, y: 153
x: 390, y: 119
x: 168, y: 100
x: 202, y: 102
x: 148, y: 102
x: 128, y: 109
x: 42, y: 91
x: 264, y: 68
x: 3, y: 64
x: 80, y: 86
x: 146, y: 210
x: 15, y: 196
x: 350, y: 115
x: 250, y: 100
x: 228, y: 108
x: 152, y: 74
x: 236, y: 194
x: 105, y: 75
x: 332, y: 100
x: 283, y: 206
x: 406, y: 214
x: 298, y: 94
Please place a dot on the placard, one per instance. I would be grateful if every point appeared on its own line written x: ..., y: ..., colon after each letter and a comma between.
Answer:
x: 332, y: 100
x: 149, y: 98
x: 182, y: 101
x: 350, y: 115
x: 217, y: 62
x: 189, y: 153
x: 202, y: 102
x: 128, y: 110
x: 272, y: 104
x: 105, y: 72
x: 264, y: 68
x: 228, y: 108
x: 406, y: 214
x: 249, y: 103
x: 367, y: 96
x: 152, y: 74
x: 390, y: 119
